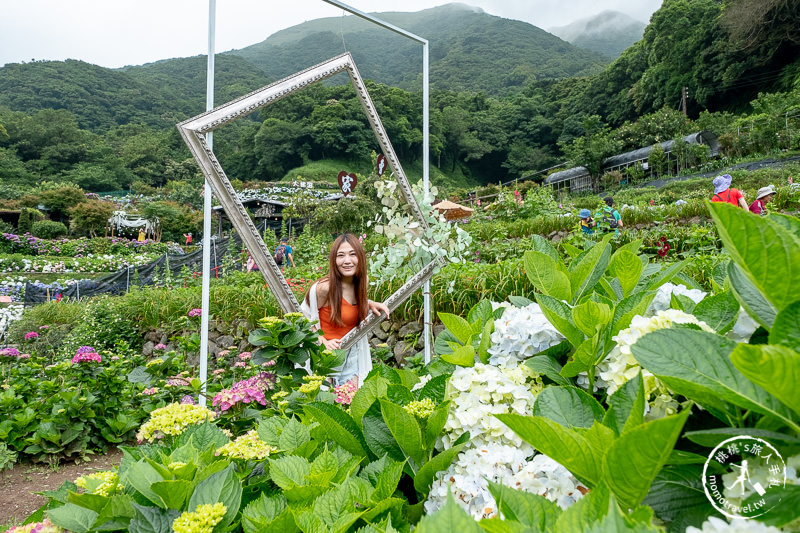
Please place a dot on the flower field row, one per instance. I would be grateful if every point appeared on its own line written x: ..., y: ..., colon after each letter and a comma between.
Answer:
x: 16, y: 263
x: 28, y: 244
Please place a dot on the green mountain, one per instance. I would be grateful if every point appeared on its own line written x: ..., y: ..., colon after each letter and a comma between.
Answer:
x: 157, y: 94
x: 608, y: 33
x: 469, y: 50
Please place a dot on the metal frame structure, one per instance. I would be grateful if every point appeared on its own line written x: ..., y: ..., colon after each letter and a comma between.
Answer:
x: 194, y: 131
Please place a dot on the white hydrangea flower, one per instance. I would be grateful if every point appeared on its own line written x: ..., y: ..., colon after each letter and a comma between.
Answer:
x: 718, y: 525
x: 619, y: 366
x: 422, y: 381
x: 663, y: 297
x: 743, y: 328
x: 476, y: 393
x: 520, y: 333
x: 469, y: 475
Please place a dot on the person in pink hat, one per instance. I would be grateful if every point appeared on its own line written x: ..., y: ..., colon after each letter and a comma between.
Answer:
x: 723, y: 192
x: 765, y: 194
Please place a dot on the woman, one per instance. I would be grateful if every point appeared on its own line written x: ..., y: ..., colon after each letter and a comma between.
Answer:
x: 765, y: 195
x: 339, y: 301
x: 723, y: 192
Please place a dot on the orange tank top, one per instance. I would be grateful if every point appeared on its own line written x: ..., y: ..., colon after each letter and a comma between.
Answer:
x: 349, y: 317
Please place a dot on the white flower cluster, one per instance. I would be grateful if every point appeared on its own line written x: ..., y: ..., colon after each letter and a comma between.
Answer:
x: 495, y: 453
x: 744, y: 327
x: 718, y: 525
x: 469, y: 475
x: 663, y: 297
x: 10, y: 314
x: 741, y: 331
x: 619, y: 366
x: 476, y: 393
x: 521, y: 333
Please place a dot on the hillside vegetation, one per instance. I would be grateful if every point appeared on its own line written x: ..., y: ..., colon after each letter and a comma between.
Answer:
x: 102, y: 129
x: 608, y: 33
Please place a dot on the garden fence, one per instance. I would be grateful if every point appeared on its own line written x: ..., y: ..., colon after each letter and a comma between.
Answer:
x: 152, y: 273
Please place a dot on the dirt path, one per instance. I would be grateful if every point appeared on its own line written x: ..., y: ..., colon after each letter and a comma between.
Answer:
x: 18, y: 485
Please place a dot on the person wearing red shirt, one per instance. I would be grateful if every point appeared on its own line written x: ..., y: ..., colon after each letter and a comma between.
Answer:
x: 765, y: 194
x: 723, y: 192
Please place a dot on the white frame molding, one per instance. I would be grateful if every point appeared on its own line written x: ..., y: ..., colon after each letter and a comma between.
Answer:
x: 194, y: 130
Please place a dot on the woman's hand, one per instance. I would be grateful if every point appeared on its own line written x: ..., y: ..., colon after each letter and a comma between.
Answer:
x: 378, y: 308
x: 332, y: 344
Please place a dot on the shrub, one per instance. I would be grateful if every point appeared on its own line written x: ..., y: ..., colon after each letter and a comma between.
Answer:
x: 27, y: 217
x: 90, y: 216
x: 48, y: 229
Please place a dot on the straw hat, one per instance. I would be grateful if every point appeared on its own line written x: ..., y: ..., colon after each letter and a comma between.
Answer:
x: 765, y: 191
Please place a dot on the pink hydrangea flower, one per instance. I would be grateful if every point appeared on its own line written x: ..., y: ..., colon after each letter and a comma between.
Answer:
x: 239, y: 364
x: 24, y: 356
x: 346, y: 391
x: 187, y: 400
x: 244, y: 356
x: 178, y: 381
x: 195, y: 312
x: 9, y: 352
x: 160, y: 346
x: 31, y: 335
x: 92, y: 357
x: 150, y: 391
x: 245, y: 391
x: 269, y: 363
x: 44, y: 327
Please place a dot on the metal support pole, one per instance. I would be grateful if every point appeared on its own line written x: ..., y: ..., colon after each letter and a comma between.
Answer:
x: 426, y: 289
x: 206, y: 289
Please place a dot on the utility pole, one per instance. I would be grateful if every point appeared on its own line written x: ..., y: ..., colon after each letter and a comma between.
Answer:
x: 684, y: 98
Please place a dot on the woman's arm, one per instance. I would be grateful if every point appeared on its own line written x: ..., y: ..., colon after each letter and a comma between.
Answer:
x: 322, y: 294
x: 743, y: 203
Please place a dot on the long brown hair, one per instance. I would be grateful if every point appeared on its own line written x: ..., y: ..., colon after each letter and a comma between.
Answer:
x: 334, y: 279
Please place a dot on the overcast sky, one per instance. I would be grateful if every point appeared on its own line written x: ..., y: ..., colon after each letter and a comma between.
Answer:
x: 115, y: 33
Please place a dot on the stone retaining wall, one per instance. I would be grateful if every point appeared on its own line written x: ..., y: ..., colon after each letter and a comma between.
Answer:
x: 404, y: 339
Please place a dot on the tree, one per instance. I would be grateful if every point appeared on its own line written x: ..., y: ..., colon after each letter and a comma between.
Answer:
x: 761, y: 25
x: 278, y: 146
x: 657, y: 160
x: 90, y: 216
x: 592, y: 149
x: 58, y: 201
x: 175, y: 219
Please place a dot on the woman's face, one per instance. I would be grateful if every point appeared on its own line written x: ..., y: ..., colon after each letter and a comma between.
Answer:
x: 346, y: 260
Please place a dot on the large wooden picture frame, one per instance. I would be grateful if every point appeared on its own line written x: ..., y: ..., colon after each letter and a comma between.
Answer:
x: 193, y: 132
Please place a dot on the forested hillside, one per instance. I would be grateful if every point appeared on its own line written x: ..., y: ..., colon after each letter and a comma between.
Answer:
x: 108, y: 129
x: 470, y: 50
x: 608, y: 33
x: 157, y: 94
